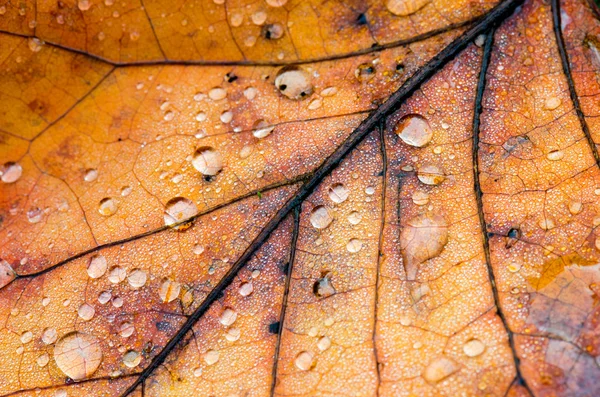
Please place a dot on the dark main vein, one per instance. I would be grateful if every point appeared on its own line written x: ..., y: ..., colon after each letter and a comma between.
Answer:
x: 564, y: 60
x: 288, y: 277
x: 366, y: 126
x: 481, y: 84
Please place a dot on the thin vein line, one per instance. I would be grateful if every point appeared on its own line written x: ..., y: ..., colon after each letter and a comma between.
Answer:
x: 366, y: 126
x: 288, y: 278
x: 564, y: 60
x: 481, y: 85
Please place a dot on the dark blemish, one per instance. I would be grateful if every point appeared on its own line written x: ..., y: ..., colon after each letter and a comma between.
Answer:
x: 231, y: 77
x: 163, y: 326
x: 362, y: 19
x: 208, y: 178
x: 513, y: 235
x: 274, y: 327
x: 400, y: 67
x: 285, y: 268
x: 282, y: 87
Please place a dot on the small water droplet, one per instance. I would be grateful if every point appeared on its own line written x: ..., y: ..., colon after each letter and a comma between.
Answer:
x: 78, y: 355
x: 217, y: 93
x: 198, y: 372
x: 250, y: 93
x: 126, y: 330
x: 211, y: 357
x: 49, y: 336
x: 126, y: 191
x: 321, y: 217
x: 137, y: 278
x: 474, y: 348
x: 104, y: 297
x: 84, y: 5
x: 34, y: 215
x: 514, y: 267
x: 169, y: 290
x: 208, y: 161
x: 201, y: 116
x: 575, y: 207
x: 338, y: 193
x: 430, y: 174
x: 179, y: 209
x: 370, y: 190
x: 7, y: 274
x: 246, y: 289
x: 108, y: 206
x: 354, y: 245
x: 43, y: 360
x: 26, y: 337
x: 404, y: 8
x: 233, y: 334
x: 324, y: 343
x: 132, y: 359
x: 294, y: 82
x: 552, y: 103
x: 414, y: 130
x: 10, y: 172
x: 354, y: 218
x: 420, y: 197
x: 228, y: 317
x: 117, y: 274
x: 86, y: 312
x: 555, y: 155
x: 226, y: 116
x: 304, y: 361
x: 423, y: 238
x: 323, y: 287
x: 97, y: 266
x: 439, y: 369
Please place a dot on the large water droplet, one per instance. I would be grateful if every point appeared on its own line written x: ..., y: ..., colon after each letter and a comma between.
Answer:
x: 414, y: 130
x: 179, y: 209
x: 228, y: 317
x: 208, y: 161
x: 338, y: 193
x: 321, y: 217
x: 86, y: 312
x: 169, y: 290
x: 423, y: 238
x: 10, y: 172
x: 294, y: 82
x: 132, y: 359
x: 430, y: 174
x: 137, y: 278
x: 211, y: 357
x: 97, y: 266
x: 108, y: 206
x: 304, y: 361
x: 78, y: 355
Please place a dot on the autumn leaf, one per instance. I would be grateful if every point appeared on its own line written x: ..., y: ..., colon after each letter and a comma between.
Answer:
x: 307, y: 198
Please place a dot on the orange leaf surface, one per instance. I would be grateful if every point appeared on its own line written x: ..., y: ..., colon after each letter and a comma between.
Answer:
x: 299, y: 198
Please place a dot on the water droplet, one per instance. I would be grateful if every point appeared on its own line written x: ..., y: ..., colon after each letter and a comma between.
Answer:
x: 262, y: 129
x: 276, y: 3
x: 126, y: 330
x: 324, y: 343
x: 217, y: 93
x: 108, y: 206
x: 547, y: 223
x: 354, y: 218
x: 233, y: 334
x: 354, y: 245
x: 321, y: 217
x: 273, y: 31
x: 198, y: 372
x: 84, y: 5
x: 323, y: 287
x: 364, y: 72
x: 370, y: 190
x: 228, y: 317
x: 26, y: 337
x: 132, y: 359
x: 49, y: 336
x: 211, y: 357
x: 403, y: 8
x: 439, y: 369
x: 137, y: 278
x: 117, y: 274
x: 226, y: 116
x: 575, y: 207
x: 514, y: 267
x: 552, y: 103
x: 201, y: 116
x: 169, y: 290
x: 329, y: 91
x: 414, y: 130
x: 293, y: 82
x: 97, y: 266
x: 474, y: 348
x: 338, y: 193
x: 43, y: 360
x: 10, y: 172
x: 420, y: 197
x: 60, y: 393
x: 246, y: 289
x: 126, y: 191
x: 34, y: 215
x: 430, y: 174
x: 250, y: 93
x: 78, y: 355
x: 555, y: 155
x: 208, y: 161
x: 304, y: 361
x: 179, y: 209
x: 86, y: 312
x: 423, y: 238
x: 104, y: 297
x: 7, y: 274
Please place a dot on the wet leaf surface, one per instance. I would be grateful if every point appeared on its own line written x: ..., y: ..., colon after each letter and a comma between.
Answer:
x: 308, y: 198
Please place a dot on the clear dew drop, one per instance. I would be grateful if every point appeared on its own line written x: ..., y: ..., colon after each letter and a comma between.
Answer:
x: 137, y: 278
x: 272, y: 31
x: 10, y: 172
x: 108, y: 206
x: 276, y: 3
x: 321, y: 217
x: 414, y: 130
x: 262, y: 129
x: 439, y: 369
x: 246, y: 289
x: 169, y: 290
x: 78, y: 355
x: 97, y: 266
x: 226, y: 116
x: 132, y: 359
x: 60, y: 393
x: 90, y: 175
x: 126, y: 191
x: 354, y: 218
x: 228, y: 317
x: 304, y: 361
x: 116, y: 274
x: 179, y: 209
x: 474, y: 348
x: 338, y: 193
x: 201, y: 116
x: 207, y: 161
x: 198, y: 372
x: 49, y: 336
x: 404, y: 8
x: 294, y: 82
x: 86, y: 312
x: 211, y: 357
x: 430, y: 174
x: 354, y: 245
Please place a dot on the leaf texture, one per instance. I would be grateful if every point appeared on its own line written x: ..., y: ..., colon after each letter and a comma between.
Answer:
x: 299, y: 198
